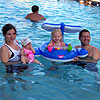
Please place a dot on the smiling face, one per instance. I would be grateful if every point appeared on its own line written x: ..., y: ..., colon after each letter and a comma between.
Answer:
x: 85, y: 38
x: 57, y: 35
x: 10, y: 35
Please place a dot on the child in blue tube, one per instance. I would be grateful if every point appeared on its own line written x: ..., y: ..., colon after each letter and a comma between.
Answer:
x: 57, y: 40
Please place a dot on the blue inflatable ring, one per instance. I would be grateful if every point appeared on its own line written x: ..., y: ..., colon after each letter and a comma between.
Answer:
x: 60, y: 55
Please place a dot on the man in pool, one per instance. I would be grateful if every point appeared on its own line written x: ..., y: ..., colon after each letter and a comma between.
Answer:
x: 89, y: 62
x: 35, y: 16
x: 93, y: 52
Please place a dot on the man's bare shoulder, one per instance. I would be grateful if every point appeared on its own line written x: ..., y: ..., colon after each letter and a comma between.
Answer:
x: 28, y: 15
x: 94, y: 48
x: 95, y: 53
x: 40, y: 17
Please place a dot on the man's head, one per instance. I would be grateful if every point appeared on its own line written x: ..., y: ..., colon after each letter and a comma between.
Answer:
x: 35, y: 8
x: 84, y: 37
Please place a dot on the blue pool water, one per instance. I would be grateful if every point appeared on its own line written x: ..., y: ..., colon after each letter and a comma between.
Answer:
x: 67, y: 82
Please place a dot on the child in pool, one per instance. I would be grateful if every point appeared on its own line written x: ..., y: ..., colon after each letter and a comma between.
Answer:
x: 27, y: 52
x: 57, y: 39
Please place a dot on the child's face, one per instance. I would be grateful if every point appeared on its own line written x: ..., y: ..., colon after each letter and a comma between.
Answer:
x: 57, y: 36
x: 28, y: 46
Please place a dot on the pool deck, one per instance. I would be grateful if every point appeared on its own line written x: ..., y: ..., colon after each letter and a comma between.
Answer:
x: 93, y: 2
x: 96, y: 2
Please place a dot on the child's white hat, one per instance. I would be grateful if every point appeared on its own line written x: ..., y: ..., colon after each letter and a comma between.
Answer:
x: 25, y: 41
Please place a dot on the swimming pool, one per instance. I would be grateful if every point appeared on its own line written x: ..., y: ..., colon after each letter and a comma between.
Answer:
x: 67, y: 82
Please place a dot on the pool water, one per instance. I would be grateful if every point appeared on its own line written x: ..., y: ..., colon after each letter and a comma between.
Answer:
x: 66, y: 81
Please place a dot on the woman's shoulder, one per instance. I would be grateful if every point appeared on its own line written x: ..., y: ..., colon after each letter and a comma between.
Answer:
x: 3, y: 47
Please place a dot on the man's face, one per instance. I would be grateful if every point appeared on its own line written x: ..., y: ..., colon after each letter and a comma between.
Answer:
x: 85, y: 38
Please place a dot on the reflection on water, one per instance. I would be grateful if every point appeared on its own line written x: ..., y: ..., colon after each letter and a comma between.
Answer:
x: 64, y: 80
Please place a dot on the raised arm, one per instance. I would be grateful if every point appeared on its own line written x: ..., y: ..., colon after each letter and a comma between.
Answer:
x: 33, y: 50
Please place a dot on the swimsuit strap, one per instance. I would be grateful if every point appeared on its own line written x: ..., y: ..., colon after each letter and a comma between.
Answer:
x: 60, y: 43
x: 15, y: 55
x: 12, y: 54
x: 53, y: 44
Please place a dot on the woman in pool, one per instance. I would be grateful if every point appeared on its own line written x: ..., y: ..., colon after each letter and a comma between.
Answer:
x: 10, y: 50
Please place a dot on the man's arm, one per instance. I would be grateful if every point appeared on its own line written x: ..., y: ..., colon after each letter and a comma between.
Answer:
x: 94, y: 58
x: 84, y: 60
x: 96, y: 54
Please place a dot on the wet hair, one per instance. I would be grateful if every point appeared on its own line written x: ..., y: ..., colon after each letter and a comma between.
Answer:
x: 84, y: 30
x: 56, y: 30
x: 7, y: 27
x: 35, y: 8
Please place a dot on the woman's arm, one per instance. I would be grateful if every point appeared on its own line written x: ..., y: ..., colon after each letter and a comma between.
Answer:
x: 11, y: 63
x: 4, y: 55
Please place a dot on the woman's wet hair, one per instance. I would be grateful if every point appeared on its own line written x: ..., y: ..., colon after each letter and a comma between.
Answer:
x: 7, y: 27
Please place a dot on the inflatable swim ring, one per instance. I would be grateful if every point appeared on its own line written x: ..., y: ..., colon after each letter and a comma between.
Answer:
x: 61, y: 55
